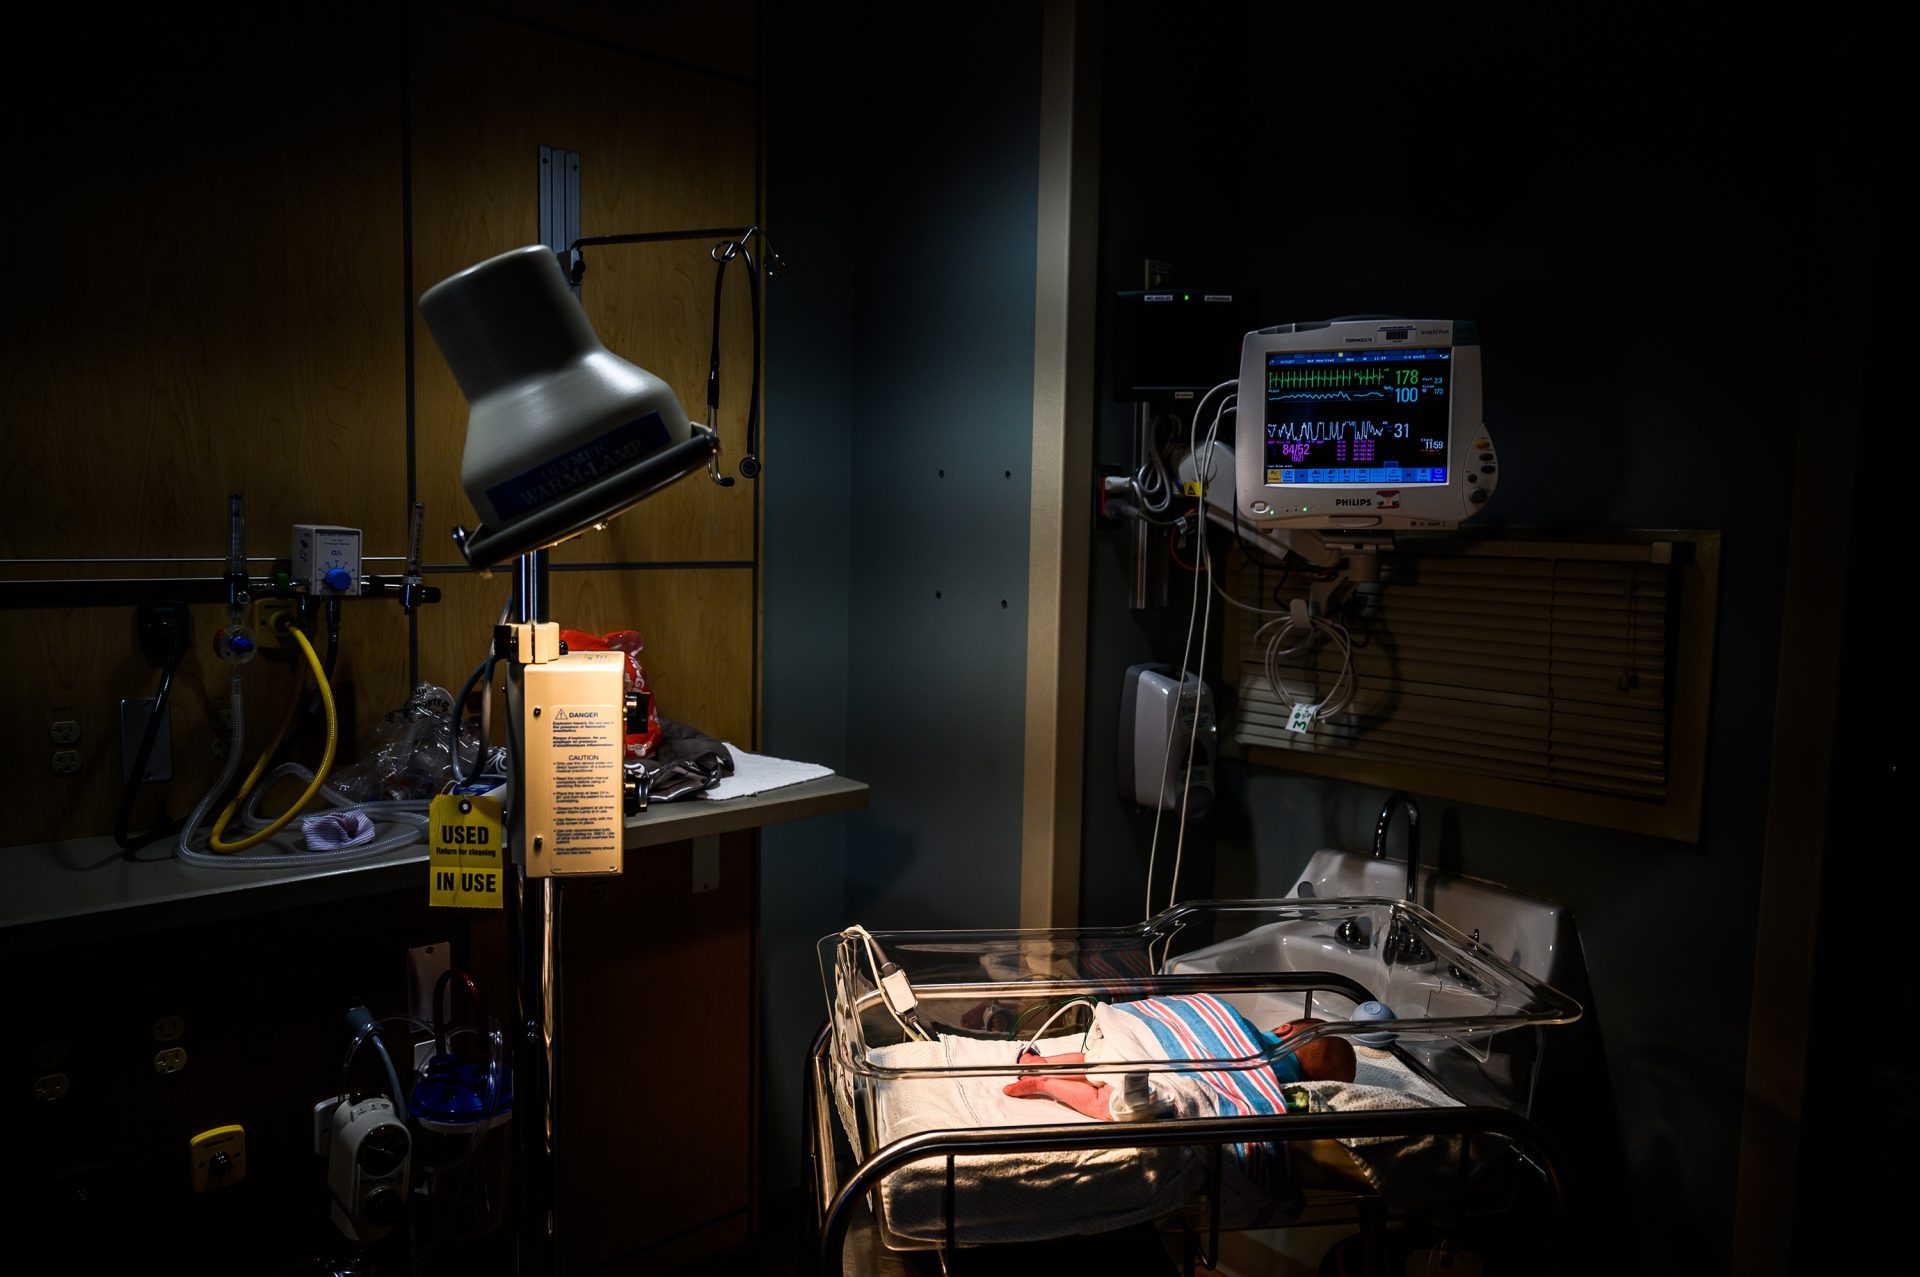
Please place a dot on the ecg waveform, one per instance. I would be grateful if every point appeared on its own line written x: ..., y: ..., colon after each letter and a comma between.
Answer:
x: 1317, y: 378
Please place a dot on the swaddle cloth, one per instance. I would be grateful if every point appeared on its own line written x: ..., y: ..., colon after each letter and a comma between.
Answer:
x: 1196, y: 1027
x: 1408, y: 1170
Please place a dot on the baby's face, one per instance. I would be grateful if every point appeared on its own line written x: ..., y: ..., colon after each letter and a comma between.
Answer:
x: 1328, y: 1060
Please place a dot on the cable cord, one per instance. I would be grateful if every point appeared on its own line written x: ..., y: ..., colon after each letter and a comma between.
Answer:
x: 1058, y: 1011
x: 1290, y: 639
x: 1153, y: 483
x: 1203, y: 476
x: 481, y: 677
x: 1193, y: 614
x: 483, y: 672
x: 176, y: 651
x: 879, y: 981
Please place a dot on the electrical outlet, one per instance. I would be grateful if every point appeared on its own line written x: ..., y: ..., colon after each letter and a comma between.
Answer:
x: 51, y: 1087
x: 66, y: 762
x: 64, y: 732
x: 171, y: 1060
x: 169, y: 1028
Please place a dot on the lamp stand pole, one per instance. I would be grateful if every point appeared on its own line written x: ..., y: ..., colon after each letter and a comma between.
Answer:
x: 533, y: 965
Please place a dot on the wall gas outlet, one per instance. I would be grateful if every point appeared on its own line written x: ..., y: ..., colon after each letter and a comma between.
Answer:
x: 218, y: 1158
x: 171, y: 1060
x: 261, y: 617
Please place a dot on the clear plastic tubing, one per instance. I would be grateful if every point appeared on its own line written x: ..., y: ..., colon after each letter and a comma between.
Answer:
x: 410, y: 816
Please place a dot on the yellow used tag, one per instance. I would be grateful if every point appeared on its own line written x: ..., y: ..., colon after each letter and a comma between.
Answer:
x: 468, y: 848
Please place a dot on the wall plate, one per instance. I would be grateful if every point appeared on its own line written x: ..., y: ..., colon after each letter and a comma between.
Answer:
x: 133, y: 722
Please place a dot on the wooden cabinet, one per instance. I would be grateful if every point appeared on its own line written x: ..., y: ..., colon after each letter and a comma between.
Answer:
x: 658, y: 1093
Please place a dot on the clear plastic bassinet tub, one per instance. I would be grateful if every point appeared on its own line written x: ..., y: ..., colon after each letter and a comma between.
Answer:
x: 1460, y: 1053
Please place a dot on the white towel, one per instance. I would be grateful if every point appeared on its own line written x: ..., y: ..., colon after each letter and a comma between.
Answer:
x: 757, y: 773
x: 1011, y: 1197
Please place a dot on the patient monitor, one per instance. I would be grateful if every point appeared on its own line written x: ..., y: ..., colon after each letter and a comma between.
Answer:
x: 1361, y: 424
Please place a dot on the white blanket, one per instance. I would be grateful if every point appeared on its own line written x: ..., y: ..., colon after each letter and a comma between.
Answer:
x: 1006, y: 1197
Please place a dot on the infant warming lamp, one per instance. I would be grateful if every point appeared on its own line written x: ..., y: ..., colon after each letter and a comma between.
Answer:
x: 562, y: 436
x: 562, y: 433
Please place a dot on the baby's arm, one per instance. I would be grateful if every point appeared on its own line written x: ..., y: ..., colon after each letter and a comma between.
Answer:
x: 1071, y: 1089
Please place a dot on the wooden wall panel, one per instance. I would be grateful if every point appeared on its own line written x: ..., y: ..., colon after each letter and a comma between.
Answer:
x: 227, y: 314
x: 697, y: 624
x: 77, y: 663
x: 722, y: 37
x: 215, y: 302
x: 698, y: 627
x: 644, y: 1159
x: 662, y: 149
x: 211, y: 299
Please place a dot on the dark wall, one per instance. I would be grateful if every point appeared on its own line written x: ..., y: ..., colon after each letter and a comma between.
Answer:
x: 1632, y: 217
x: 902, y: 185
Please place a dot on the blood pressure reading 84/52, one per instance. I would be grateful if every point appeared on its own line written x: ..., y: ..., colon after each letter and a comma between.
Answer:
x: 1362, y: 417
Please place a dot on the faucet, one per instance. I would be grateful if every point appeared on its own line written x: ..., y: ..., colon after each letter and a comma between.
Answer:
x: 1396, y: 802
x: 1403, y: 941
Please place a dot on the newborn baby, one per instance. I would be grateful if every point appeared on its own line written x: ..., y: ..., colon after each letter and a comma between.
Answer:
x: 1192, y: 1027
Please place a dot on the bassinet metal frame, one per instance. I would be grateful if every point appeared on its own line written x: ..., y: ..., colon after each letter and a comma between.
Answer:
x: 833, y: 1205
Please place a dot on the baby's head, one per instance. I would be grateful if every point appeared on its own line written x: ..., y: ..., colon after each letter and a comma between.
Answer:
x: 1328, y: 1059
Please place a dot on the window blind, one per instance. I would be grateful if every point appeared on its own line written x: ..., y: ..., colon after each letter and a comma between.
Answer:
x: 1535, y: 665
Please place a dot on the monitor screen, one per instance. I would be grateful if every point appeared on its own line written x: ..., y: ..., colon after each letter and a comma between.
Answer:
x: 1363, y: 417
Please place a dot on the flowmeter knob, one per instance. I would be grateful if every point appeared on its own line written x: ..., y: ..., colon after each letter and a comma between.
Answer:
x: 339, y: 580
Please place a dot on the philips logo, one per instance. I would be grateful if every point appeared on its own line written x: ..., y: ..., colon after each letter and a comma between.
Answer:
x: 1359, y: 501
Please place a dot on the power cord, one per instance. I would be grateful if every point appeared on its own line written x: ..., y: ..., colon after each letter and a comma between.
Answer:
x: 1202, y: 583
x: 173, y: 619
x: 1058, y: 1011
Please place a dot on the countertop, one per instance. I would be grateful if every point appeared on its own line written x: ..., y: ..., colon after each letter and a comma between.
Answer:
x: 65, y: 891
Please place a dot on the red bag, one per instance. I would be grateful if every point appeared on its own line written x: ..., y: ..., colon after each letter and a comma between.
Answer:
x: 645, y: 743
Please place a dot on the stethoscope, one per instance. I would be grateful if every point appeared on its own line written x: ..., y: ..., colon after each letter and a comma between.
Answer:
x: 722, y: 253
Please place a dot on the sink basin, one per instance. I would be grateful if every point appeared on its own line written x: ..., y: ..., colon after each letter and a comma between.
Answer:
x: 1533, y: 934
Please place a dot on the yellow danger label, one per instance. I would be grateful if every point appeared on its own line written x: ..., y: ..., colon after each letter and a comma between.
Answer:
x: 468, y: 847
x: 1192, y: 488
